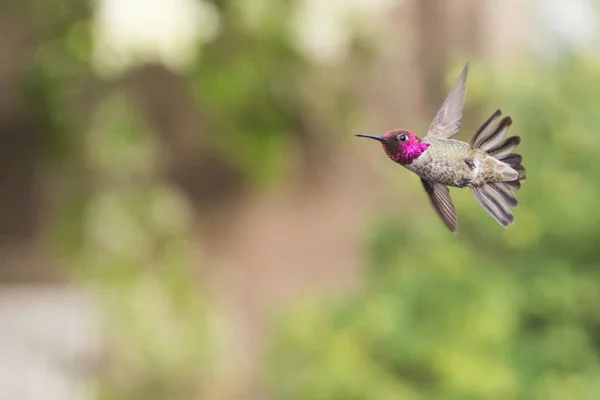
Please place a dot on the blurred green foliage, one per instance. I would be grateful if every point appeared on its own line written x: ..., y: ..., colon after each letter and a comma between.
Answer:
x: 131, y: 245
x: 247, y: 86
x: 123, y: 228
x: 488, y: 313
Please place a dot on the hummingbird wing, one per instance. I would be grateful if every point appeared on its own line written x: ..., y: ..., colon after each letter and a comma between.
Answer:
x: 447, y: 121
x: 442, y: 203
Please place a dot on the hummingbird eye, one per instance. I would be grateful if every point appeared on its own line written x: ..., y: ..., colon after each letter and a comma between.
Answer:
x: 402, y: 137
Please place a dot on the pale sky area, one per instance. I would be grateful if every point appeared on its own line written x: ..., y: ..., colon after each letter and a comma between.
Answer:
x: 169, y: 31
x: 567, y: 22
x: 322, y: 28
x: 131, y: 32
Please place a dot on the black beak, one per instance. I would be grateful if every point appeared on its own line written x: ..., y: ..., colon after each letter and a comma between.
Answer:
x: 378, y: 138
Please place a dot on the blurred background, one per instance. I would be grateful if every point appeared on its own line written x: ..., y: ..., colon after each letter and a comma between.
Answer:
x: 186, y: 214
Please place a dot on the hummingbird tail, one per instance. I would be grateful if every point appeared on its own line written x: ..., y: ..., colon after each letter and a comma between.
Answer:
x: 499, y: 197
x: 497, y: 200
x: 490, y: 138
x: 515, y: 162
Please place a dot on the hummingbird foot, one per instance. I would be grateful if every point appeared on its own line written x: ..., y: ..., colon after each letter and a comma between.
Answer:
x: 463, y: 182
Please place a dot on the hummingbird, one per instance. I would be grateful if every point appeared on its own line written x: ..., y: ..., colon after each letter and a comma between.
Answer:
x: 487, y: 165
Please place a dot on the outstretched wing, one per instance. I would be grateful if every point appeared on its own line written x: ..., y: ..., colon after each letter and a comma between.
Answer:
x: 442, y: 203
x: 447, y: 121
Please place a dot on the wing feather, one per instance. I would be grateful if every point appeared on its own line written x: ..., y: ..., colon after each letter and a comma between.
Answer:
x: 439, y: 195
x: 447, y: 121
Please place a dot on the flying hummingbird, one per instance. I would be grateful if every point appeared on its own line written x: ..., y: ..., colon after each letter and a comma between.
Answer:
x: 487, y: 165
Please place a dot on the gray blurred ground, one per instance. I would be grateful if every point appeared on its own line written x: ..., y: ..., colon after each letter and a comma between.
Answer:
x: 47, y: 333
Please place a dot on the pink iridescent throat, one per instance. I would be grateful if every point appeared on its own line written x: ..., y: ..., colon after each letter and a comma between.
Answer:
x: 409, y: 151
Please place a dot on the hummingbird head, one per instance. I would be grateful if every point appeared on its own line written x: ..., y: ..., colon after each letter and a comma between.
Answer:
x: 400, y: 145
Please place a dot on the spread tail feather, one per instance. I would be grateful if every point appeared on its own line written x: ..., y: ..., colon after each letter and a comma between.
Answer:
x: 499, y: 198
x: 496, y: 203
x: 490, y: 138
x: 492, y: 132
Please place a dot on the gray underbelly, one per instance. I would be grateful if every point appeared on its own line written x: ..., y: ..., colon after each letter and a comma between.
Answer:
x: 447, y: 172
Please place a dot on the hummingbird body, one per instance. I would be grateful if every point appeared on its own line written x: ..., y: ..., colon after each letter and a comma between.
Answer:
x: 486, y: 165
x: 455, y: 163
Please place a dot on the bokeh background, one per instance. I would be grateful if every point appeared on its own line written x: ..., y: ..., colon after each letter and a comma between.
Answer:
x: 186, y: 214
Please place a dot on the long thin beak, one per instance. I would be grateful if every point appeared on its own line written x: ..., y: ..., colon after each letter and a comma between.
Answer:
x: 378, y: 138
